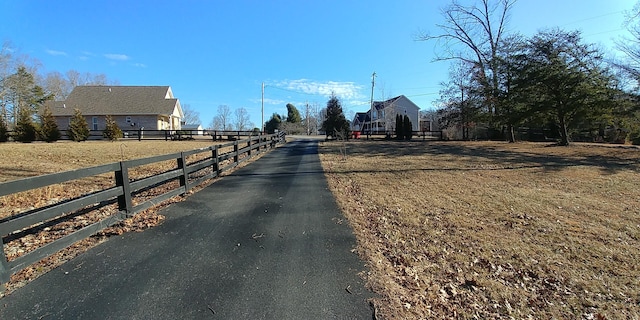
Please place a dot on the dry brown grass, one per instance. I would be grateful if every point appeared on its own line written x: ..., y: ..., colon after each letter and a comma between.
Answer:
x: 21, y: 160
x: 493, y: 230
x: 26, y: 160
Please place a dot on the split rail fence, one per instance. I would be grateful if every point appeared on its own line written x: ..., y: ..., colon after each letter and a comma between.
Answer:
x: 212, y: 163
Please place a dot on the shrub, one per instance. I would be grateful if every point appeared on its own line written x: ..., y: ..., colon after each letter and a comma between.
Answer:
x: 634, y: 137
x: 111, y: 131
x: 399, y: 129
x: 4, y: 130
x: 49, y: 131
x: 25, y: 130
x: 78, y: 127
x: 408, y: 127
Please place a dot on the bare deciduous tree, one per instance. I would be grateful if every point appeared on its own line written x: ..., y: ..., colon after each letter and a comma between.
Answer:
x: 56, y: 84
x: 191, y: 116
x: 242, y: 119
x: 474, y: 34
x: 5, y: 70
x: 222, y: 120
x: 631, y: 45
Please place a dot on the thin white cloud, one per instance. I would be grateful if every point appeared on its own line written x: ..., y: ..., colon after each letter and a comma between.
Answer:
x: 343, y: 90
x: 139, y: 65
x: 358, y: 103
x: 268, y: 101
x: 117, y: 56
x: 86, y: 55
x: 56, y: 52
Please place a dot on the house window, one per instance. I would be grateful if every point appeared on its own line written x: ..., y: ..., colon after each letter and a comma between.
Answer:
x: 375, y: 114
x: 128, y: 119
x: 94, y: 121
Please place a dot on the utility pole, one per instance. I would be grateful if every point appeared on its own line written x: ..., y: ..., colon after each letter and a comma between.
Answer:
x: 373, y: 83
x: 307, y: 116
x: 262, y: 132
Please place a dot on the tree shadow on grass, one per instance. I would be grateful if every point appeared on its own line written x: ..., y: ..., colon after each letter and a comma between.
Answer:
x: 548, y: 157
x: 13, y: 173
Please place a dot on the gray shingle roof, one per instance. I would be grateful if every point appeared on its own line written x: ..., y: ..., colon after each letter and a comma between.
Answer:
x: 362, y: 117
x: 116, y: 100
x: 379, y: 105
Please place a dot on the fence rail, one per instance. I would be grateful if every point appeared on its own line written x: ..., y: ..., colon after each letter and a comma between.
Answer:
x: 144, y: 134
x: 424, y: 135
x: 187, y: 174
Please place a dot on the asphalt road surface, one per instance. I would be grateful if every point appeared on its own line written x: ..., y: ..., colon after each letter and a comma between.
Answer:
x: 267, y: 242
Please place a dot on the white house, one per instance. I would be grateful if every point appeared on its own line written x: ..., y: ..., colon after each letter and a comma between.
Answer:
x: 384, y: 114
x: 359, y: 121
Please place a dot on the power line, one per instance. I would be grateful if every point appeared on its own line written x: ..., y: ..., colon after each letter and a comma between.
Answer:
x: 293, y: 91
x: 592, y: 18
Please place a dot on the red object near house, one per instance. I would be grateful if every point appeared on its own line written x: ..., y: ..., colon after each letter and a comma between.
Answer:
x: 355, y: 134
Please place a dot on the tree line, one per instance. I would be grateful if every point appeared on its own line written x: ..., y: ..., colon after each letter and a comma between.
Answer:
x: 552, y: 83
x: 24, y: 92
x: 225, y: 119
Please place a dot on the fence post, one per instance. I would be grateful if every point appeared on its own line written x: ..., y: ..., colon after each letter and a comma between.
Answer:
x: 249, y: 146
x: 5, y: 273
x: 184, y: 177
x: 216, y: 160
x: 235, y: 152
x: 122, y: 180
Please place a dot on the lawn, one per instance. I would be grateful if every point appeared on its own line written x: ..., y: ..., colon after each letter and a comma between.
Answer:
x: 493, y: 230
x: 32, y: 159
x: 21, y: 160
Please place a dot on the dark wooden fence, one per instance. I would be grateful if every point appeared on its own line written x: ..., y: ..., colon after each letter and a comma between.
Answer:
x: 187, y: 174
x: 424, y: 135
x: 144, y: 134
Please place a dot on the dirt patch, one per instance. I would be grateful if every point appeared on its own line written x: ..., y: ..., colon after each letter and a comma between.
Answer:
x: 493, y: 230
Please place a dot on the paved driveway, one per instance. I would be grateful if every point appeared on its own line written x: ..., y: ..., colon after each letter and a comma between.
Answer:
x: 267, y: 242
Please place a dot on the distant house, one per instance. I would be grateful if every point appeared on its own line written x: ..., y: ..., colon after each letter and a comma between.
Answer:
x: 359, y: 121
x: 384, y: 114
x: 193, y: 129
x: 132, y: 107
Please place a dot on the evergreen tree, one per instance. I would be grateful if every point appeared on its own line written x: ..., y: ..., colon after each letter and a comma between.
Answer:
x: 408, y: 127
x: 564, y: 81
x: 293, y: 115
x: 335, y: 122
x: 111, y: 131
x: 49, y: 131
x: 25, y: 129
x: 273, y: 123
x: 4, y: 130
x: 23, y: 94
x: 399, y: 127
x: 78, y: 127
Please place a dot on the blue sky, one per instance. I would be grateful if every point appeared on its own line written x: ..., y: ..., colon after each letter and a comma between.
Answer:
x: 220, y: 51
